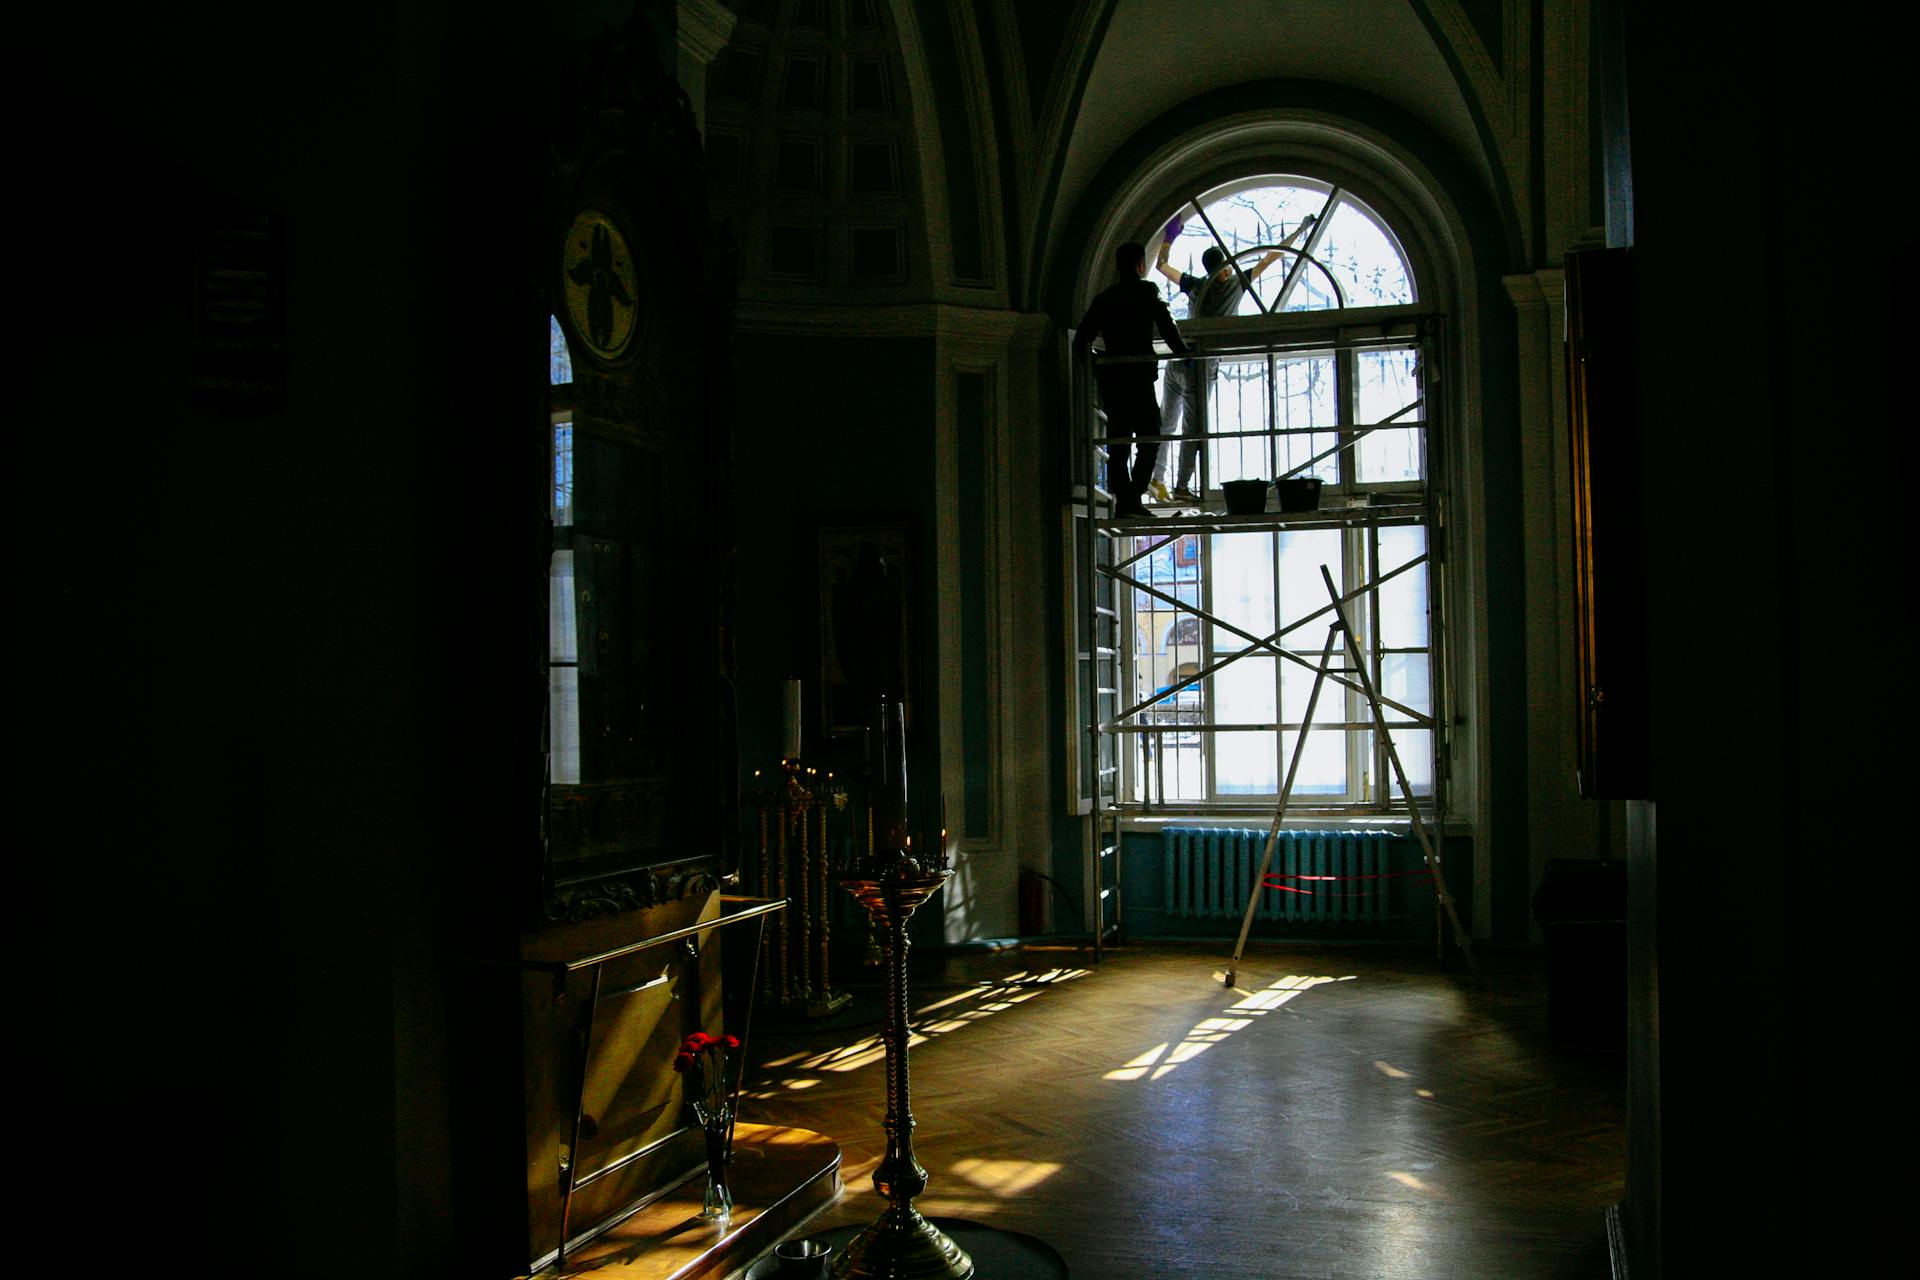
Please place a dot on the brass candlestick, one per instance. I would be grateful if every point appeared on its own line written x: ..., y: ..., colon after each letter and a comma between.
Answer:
x: 900, y: 1243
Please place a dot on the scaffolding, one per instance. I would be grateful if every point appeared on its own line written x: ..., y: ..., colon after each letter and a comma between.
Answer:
x: 1131, y: 725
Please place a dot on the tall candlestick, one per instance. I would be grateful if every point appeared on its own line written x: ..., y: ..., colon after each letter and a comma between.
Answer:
x: 901, y: 1244
x: 790, y: 722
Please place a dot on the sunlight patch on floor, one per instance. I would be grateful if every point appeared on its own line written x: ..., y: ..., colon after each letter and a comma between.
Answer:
x: 961, y: 1009
x: 1162, y: 1059
x: 1005, y: 1177
x: 1139, y: 1066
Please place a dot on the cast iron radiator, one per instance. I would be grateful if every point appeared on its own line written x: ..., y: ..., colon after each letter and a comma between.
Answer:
x: 1210, y: 871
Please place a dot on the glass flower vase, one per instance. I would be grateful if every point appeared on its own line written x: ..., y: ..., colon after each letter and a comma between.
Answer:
x: 718, y: 1204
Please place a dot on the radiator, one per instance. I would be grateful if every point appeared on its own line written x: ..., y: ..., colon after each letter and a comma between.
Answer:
x: 1210, y: 871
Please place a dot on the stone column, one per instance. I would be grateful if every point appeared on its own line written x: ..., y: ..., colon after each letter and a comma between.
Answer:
x: 702, y: 29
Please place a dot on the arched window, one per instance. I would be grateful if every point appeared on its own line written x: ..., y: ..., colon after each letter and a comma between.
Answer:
x: 563, y: 639
x: 1290, y: 384
x: 1348, y: 256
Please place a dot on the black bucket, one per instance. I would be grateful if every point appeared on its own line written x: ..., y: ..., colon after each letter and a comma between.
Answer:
x: 1245, y: 497
x: 1302, y: 493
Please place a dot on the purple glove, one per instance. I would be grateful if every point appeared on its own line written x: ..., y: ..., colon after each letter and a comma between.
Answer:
x: 1174, y: 226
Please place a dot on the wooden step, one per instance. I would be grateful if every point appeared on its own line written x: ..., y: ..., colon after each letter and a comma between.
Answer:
x: 780, y: 1176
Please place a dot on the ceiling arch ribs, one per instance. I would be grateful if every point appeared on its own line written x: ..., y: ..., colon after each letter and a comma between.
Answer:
x: 1499, y: 92
x: 1059, y: 108
x: 954, y: 126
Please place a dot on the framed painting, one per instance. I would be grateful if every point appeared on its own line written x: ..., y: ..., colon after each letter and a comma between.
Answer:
x: 866, y: 587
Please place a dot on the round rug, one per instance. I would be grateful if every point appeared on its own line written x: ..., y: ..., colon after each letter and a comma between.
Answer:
x: 996, y: 1254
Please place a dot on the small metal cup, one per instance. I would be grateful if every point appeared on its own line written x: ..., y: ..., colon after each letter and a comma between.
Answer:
x: 803, y: 1259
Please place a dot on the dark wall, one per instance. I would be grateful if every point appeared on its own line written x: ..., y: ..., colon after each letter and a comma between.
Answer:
x: 836, y: 431
x: 1758, y: 1001
x: 225, y: 703
x: 276, y: 687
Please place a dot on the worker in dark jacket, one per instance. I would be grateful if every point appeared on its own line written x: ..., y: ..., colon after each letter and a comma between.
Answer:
x: 1125, y: 317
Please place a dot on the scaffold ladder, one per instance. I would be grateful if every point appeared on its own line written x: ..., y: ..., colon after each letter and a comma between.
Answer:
x: 1339, y: 631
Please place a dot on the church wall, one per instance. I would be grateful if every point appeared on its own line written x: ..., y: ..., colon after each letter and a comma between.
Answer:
x: 836, y: 431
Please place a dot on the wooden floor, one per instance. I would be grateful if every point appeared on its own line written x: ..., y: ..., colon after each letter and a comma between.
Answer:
x: 1345, y: 1112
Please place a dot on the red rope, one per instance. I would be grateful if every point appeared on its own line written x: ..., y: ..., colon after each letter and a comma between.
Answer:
x: 1269, y: 880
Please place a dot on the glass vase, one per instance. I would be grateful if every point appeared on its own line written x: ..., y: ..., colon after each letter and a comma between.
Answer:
x: 718, y: 1204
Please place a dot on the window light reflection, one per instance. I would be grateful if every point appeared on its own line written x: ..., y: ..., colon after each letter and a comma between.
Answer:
x: 1164, y: 1058
x: 963, y: 1008
x: 1005, y: 1177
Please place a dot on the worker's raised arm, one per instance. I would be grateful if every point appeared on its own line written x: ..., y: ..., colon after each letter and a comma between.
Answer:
x: 1273, y: 255
x: 1172, y: 233
x: 1161, y: 265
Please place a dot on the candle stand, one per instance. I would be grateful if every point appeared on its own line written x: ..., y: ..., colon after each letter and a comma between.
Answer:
x: 901, y: 1244
x: 793, y: 805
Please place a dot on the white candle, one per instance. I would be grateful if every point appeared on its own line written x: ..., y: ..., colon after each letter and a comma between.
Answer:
x: 790, y: 722
x: 890, y: 804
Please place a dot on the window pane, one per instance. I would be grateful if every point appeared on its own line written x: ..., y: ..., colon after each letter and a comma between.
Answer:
x: 1387, y: 385
x: 1243, y: 691
x: 1166, y: 636
x: 1403, y: 600
x: 1306, y: 399
x: 1323, y: 766
x: 1407, y: 679
x: 1302, y: 590
x: 1313, y: 287
x: 1256, y: 217
x: 1242, y: 587
x: 559, y: 360
x: 564, y: 707
x: 1172, y: 766
x: 1245, y: 763
x: 1416, y: 756
x: 1237, y: 402
x: 1364, y: 258
x: 563, y: 675
x: 563, y: 473
x: 1354, y: 248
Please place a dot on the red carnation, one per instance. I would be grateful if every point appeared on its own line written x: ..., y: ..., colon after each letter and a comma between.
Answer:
x: 705, y: 1060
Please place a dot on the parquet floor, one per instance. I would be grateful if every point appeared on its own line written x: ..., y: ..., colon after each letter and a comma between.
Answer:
x: 1345, y: 1112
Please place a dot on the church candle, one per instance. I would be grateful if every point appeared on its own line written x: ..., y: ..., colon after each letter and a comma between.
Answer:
x: 790, y: 722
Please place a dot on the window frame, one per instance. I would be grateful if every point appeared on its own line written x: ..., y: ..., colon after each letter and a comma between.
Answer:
x: 1345, y: 334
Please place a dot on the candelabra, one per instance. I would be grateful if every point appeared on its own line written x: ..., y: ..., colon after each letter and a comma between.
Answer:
x: 891, y: 885
x: 901, y: 1243
x: 794, y: 865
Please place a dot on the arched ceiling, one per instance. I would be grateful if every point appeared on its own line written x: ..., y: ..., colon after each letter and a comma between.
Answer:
x: 1155, y: 56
